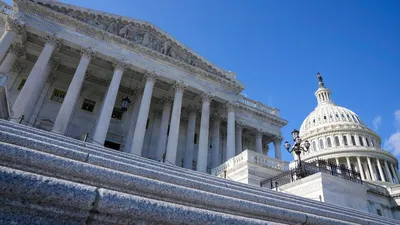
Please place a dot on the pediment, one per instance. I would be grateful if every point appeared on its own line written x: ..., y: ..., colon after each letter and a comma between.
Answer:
x: 141, y: 33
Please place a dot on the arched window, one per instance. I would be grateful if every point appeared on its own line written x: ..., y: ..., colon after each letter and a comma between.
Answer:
x: 361, y: 141
x: 321, y: 144
x: 337, y: 143
x: 372, y: 143
x: 366, y: 141
x: 314, y: 145
x: 329, y: 142
x: 353, y: 140
x: 345, y: 141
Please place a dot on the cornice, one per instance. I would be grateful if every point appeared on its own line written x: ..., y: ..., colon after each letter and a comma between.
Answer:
x: 69, y: 19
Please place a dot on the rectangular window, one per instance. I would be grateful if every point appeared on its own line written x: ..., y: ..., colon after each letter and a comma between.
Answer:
x: 353, y: 140
x: 345, y: 140
x: 58, y: 96
x: 21, y: 84
x: 88, y: 105
x: 361, y: 141
x: 379, y: 212
x: 366, y: 141
x: 195, y: 138
x: 117, y: 113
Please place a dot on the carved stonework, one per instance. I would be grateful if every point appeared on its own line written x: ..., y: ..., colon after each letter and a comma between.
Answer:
x: 51, y: 78
x: 137, y: 93
x: 206, y: 97
x: 166, y: 101
x: 14, y: 25
x: 239, y: 126
x: 192, y: 109
x: 53, y: 40
x: 230, y: 106
x: 120, y: 65
x: 151, y: 77
x: 87, y: 52
x: 17, y: 67
x: 53, y: 63
x: 216, y: 117
x: 17, y: 49
x: 179, y: 86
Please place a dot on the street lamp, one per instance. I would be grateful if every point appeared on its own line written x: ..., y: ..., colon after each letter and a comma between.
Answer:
x: 125, y: 103
x: 297, y: 146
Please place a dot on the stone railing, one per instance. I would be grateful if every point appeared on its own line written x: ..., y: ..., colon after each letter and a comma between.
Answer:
x: 257, y: 105
x: 250, y: 157
x: 6, y: 9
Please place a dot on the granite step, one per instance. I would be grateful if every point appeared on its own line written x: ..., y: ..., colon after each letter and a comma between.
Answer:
x: 219, y: 185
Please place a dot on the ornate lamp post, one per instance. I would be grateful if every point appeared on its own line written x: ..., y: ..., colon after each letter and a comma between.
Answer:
x: 297, y: 146
x: 125, y: 103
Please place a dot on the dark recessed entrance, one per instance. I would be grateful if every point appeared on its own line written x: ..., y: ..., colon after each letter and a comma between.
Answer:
x: 112, y: 145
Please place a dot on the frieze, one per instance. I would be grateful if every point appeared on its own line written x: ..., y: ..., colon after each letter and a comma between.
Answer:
x: 14, y: 25
x: 17, y: 49
x: 138, y: 35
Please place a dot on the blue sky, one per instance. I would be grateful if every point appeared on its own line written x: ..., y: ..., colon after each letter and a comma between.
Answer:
x: 277, y: 47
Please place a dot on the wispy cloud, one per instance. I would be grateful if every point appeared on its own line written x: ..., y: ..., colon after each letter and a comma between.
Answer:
x: 377, y: 122
x: 393, y: 143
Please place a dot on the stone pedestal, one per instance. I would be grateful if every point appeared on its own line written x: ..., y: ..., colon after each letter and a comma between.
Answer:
x: 250, y: 167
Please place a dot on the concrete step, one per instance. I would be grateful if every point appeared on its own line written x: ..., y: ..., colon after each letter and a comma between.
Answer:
x: 25, y: 136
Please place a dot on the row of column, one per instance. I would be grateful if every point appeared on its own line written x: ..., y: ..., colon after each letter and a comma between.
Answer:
x: 30, y: 93
x: 366, y: 168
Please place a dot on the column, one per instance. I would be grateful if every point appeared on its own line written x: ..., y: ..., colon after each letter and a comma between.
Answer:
x: 68, y: 105
x: 162, y: 139
x: 394, y: 173
x: 348, y: 163
x: 143, y: 115
x: 136, y: 98
x: 387, y: 171
x: 371, y: 169
x: 52, y: 66
x: 259, y: 134
x: 397, y: 173
x: 239, y: 130
x: 215, y: 157
x: 107, y: 108
x: 277, y: 146
x: 367, y: 172
x: 172, y: 145
x: 349, y: 140
x: 230, y: 139
x: 204, y: 129
x: 12, y: 28
x: 361, y: 171
x: 29, y: 95
x: 380, y: 170
x: 16, y: 51
x: 190, y: 131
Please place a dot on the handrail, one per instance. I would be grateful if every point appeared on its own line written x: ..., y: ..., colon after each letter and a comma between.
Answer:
x: 257, y: 105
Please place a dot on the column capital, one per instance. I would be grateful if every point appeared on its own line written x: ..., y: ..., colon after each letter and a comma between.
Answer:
x: 277, y: 140
x: 192, y: 109
x: 206, y: 96
x: 14, y: 25
x: 51, y: 78
x: 151, y: 77
x: 260, y: 131
x: 17, y: 49
x: 179, y: 86
x: 87, y: 52
x: 239, y: 126
x: 230, y: 106
x: 120, y: 64
x: 166, y: 101
x: 53, y: 40
x: 17, y: 67
x: 53, y: 63
x: 216, y: 117
x: 157, y: 113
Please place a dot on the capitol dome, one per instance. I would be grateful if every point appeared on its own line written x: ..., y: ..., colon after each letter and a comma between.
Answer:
x: 338, y: 135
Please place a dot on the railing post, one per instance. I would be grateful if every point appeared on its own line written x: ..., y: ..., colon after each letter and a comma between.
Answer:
x: 21, y: 119
x: 86, y: 136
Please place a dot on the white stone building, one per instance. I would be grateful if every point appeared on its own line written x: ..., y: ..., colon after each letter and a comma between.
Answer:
x: 68, y: 69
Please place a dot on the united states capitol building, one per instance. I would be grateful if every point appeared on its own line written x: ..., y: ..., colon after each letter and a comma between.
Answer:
x: 110, y: 120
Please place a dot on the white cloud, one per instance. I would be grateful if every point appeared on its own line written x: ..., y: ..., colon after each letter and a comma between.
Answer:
x: 377, y: 122
x: 393, y: 143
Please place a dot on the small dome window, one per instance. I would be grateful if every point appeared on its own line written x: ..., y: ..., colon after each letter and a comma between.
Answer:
x: 337, y: 143
x: 337, y: 116
x: 361, y: 141
x: 345, y: 141
x: 313, y: 120
x: 372, y: 143
x: 321, y: 144
x: 353, y: 140
x: 330, y: 116
x: 367, y: 142
x: 314, y: 146
x: 324, y: 117
x: 329, y: 142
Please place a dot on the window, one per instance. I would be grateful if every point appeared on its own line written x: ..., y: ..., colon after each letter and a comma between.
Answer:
x: 321, y: 144
x: 314, y: 145
x: 195, y: 138
x: 372, y: 143
x: 337, y: 143
x: 324, y: 117
x: 117, y: 113
x: 366, y: 141
x: 88, y: 105
x: 379, y: 212
x: 345, y: 141
x: 58, y: 96
x: 353, y: 140
x: 329, y: 142
x: 21, y: 85
x: 361, y: 141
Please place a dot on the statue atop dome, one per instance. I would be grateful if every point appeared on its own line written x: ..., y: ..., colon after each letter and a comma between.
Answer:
x: 321, y: 80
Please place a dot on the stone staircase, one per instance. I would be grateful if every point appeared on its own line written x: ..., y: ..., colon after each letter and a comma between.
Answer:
x: 48, y: 178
